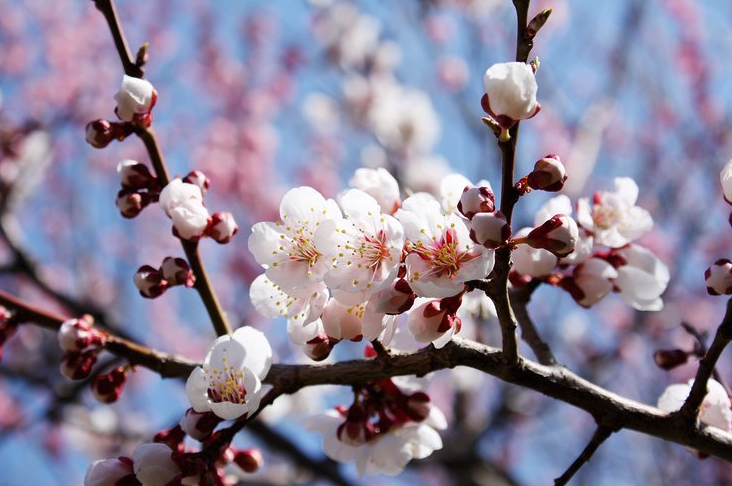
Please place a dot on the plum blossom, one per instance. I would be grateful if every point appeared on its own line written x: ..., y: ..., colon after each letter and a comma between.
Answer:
x: 559, y: 234
x: 365, y: 249
x: 135, y: 98
x: 287, y: 248
x: 435, y: 321
x: 490, y: 229
x: 441, y: 256
x: 590, y: 281
x: 229, y: 383
x: 510, y: 93
x: 613, y: 218
x: 534, y: 262
x: 355, y: 321
x: 301, y: 306
x: 548, y: 175
x: 183, y: 203
x: 405, y: 428
x: 154, y: 465
x: 109, y: 472
x: 476, y: 200
x: 715, y: 408
x: 379, y: 184
x: 642, y: 277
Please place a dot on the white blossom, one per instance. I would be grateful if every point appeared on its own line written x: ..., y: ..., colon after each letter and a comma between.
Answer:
x: 107, y: 472
x: 593, y: 281
x: 642, y: 278
x: 287, y: 248
x: 511, y: 91
x: 154, y: 465
x: 229, y: 383
x: 379, y: 184
x: 715, y: 408
x: 183, y: 204
x: 442, y: 257
x: 613, y: 219
x: 534, y: 262
x: 135, y: 97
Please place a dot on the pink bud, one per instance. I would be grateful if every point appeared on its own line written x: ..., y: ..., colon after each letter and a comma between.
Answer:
x: 476, y: 200
x: 199, y: 425
x: 396, y: 299
x: 490, y: 229
x: 668, y: 359
x: 222, y: 227
x: 107, y: 388
x: 110, y: 472
x: 150, y: 282
x: 558, y: 235
x: 249, y: 460
x: 198, y: 178
x: 135, y: 175
x: 131, y: 203
x: 356, y: 430
x: 548, y: 174
x: 99, y: 133
x: 319, y: 347
x: 176, y: 271
x: 719, y: 277
x: 77, y: 365
x: 172, y: 438
x: 79, y: 334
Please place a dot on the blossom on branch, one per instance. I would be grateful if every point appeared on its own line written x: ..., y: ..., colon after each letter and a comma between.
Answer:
x: 135, y: 100
x: 183, y: 203
x: 510, y: 93
x: 229, y: 383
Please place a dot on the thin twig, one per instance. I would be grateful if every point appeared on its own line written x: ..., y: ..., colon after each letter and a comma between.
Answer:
x: 529, y: 333
x: 147, y: 135
x: 601, y: 435
x: 690, y: 409
x: 701, y: 350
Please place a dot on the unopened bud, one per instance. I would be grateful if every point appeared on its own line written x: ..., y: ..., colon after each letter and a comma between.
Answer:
x: 418, y: 406
x: 319, y: 347
x: 548, y: 174
x: 135, y: 99
x: 396, y: 299
x: 79, y: 334
x: 537, y: 23
x: 199, y: 425
x: 249, y: 460
x: 668, y: 359
x: 719, y: 277
x: 77, y: 365
x: 172, y: 438
x: 222, y: 227
x: 476, y: 200
x: 198, y: 178
x: 107, y: 388
x: 135, y: 175
x: 150, y: 282
x: 490, y: 229
x: 99, y: 133
x: 176, y: 271
x: 558, y: 235
x: 131, y: 203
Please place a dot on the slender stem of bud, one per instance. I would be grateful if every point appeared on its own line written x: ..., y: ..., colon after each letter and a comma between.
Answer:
x: 147, y: 135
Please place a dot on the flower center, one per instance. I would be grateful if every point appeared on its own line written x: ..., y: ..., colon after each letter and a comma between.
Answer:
x: 303, y: 250
x: 443, y: 255
x: 226, y: 385
x: 373, y: 250
x: 604, y: 217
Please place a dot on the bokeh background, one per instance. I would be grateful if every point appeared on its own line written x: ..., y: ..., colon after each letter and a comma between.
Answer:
x: 263, y: 96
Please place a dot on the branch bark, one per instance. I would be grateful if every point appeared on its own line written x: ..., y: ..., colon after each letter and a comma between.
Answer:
x: 602, y: 433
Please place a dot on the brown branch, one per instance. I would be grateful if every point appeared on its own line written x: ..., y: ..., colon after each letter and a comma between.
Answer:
x: 700, y: 349
x: 602, y: 433
x: 555, y: 381
x: 147, y: 135
x: 529, y: 333
x: 690, y: 409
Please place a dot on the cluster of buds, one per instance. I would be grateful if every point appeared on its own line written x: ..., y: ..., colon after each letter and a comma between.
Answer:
x: 139, y: 188
x: 488, y: 227
x: 379, y: 407
x: 107, y: 388
x: 101, y: 132
x: 182, y: 202
x: 8, y: 326
x: 153, y: 282
x: 82, y: 344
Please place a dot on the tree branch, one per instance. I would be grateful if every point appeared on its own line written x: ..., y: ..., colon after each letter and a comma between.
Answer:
x: 690, y: 409
x: 602, y: 433
x: 529, y: 333
x: 147, y: 135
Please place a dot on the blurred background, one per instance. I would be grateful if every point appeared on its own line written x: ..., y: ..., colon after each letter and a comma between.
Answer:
x: 263, y: 96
